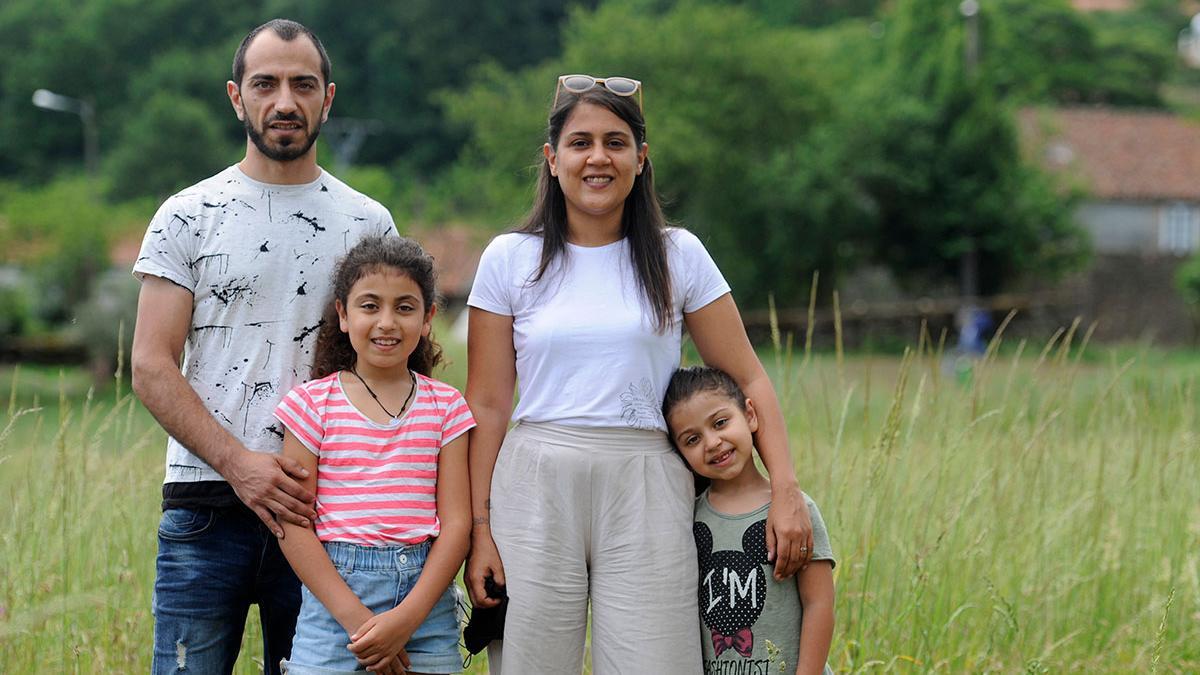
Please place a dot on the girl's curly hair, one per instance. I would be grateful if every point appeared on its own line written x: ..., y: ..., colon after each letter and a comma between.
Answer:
x: 376, y: 254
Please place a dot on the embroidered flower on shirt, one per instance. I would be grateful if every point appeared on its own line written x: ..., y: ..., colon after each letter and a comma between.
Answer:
x: 640, y: 407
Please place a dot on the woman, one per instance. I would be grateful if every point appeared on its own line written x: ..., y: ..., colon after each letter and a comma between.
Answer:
x: 584, y: 498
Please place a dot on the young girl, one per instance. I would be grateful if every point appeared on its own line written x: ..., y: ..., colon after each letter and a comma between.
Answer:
x: 750, y: 621
x: 386, y: 452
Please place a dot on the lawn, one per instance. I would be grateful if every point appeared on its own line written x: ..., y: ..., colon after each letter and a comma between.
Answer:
x: 1038, y: 511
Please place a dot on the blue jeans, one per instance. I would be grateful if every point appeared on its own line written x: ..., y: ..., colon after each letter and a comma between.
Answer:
x: 381, y: 577
x: 212, y: 565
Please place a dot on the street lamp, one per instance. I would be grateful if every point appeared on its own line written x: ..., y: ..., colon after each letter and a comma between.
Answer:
x: 970, y: 11
x: 48, y: 100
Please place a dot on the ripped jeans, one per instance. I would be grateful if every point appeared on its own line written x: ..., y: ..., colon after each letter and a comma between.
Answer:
x: 212, y: 565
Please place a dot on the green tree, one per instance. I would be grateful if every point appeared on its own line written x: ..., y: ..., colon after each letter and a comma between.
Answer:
x: 1136, y: 55
x: 101, y: 50
x: 60, y: 234
x: 390, y: 60
x: 734, y: 108
x: 169, y: 144
x: 813, y: 12
x: 1046, y: 51
x: 398, y: 57
x: 946, y: 174
x: 1187, y: 280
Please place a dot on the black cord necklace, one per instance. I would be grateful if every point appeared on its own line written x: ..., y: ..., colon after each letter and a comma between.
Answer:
x: 411, y: 393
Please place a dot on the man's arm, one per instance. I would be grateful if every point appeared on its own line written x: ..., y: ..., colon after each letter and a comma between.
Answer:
x: 265, y: 482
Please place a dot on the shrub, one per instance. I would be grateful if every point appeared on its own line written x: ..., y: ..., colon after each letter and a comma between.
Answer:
x: 104, y: 323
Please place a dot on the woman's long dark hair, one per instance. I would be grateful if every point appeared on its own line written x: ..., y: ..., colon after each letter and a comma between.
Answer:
x: 376, y: 254
x: 642, y: 222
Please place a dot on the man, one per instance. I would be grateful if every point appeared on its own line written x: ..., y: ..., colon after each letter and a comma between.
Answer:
x: 235, y: 273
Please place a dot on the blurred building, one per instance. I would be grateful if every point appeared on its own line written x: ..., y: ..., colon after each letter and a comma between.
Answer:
x: 1140, y: 172
x: 455, y: 249
x: 1102, y: 5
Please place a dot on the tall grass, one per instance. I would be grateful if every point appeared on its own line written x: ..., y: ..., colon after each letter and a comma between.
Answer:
x: 1036, y: 513
x: 77, y: 544
x: 1039, y: 512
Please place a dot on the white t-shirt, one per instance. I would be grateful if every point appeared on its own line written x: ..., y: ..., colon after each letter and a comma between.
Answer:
x: 258, y: 259
x: 587, y: 352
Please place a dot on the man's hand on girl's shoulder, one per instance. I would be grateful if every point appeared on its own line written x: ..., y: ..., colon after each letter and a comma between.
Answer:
x: 269, y: 485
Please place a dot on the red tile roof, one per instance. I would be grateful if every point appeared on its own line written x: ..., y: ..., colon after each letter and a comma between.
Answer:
x: 124, y: 252
x: 1102, y: 5
x: 455, y: 250
x: 1117, y: 154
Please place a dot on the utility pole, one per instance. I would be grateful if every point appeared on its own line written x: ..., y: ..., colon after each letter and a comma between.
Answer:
x: 346, y: 136
x: 969, y: 263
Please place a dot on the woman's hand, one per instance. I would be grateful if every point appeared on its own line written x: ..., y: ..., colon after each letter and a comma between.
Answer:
x: 789, y: 530
x: 380, y: 639
x: 483, y: 562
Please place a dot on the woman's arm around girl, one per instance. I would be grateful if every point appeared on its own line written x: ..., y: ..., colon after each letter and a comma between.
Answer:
x: 721, y: 340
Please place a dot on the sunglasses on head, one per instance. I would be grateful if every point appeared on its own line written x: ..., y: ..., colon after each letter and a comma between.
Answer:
x: 578, y: 84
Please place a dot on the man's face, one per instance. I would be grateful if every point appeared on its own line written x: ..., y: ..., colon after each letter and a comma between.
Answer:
x: 281, y: 99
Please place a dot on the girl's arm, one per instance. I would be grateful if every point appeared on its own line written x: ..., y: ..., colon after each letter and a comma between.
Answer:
x: 721, y: 340
x: 309, y: 559
x: 383, y: 636
x: 491, y: 377
x: 815, y: 584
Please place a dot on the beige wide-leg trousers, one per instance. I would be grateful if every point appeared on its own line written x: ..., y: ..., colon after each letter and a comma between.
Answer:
x: 602, y: 514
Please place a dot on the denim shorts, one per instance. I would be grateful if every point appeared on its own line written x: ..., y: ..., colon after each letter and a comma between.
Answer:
x: 381, y: 576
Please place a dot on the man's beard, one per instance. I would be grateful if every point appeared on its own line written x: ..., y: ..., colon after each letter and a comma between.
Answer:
x: 281, y: 153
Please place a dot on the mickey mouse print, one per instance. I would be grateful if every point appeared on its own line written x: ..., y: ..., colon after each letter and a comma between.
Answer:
x: 743, y: 609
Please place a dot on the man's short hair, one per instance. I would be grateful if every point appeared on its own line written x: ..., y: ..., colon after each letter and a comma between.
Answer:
x: 286, y: 29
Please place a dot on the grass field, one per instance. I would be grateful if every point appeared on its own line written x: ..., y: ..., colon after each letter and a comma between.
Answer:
x: 1039, y: 513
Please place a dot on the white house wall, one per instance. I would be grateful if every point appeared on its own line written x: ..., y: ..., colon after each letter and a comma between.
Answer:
x: 1121, y: 227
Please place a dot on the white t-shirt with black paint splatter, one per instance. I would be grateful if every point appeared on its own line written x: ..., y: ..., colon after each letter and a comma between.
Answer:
x: 258, y: 259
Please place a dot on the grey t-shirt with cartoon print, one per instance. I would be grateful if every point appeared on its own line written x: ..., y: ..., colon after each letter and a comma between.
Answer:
x: 258, y: 259
x: 742, y: 606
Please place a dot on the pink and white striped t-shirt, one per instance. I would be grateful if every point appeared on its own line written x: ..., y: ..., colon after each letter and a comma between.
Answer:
x: 376, y: 483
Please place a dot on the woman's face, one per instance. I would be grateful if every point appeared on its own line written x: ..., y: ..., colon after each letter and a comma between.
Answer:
x: 596, y: 163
